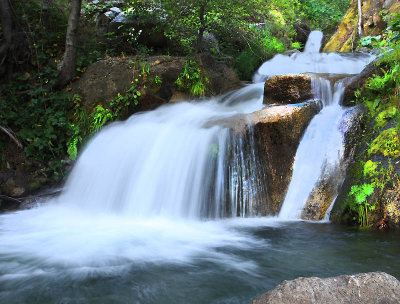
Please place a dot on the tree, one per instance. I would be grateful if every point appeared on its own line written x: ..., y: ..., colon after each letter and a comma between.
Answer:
x: 69, y: 58
x: 14, y: 47
x: 360, y: 29
x: 188, y: 20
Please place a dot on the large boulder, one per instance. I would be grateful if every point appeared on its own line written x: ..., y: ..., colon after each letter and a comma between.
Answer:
x: 277, y: 132
x: 154, y: 77
x: 364, y: 288
x: 285, y: 89
x: 274, y: 133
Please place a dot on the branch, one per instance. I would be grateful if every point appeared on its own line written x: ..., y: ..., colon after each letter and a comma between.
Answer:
x: 10, y: 199
x: 12, y: 135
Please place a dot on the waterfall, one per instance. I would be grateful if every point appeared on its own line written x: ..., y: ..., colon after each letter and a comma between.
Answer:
x: 167, y: 163
x: 320, y: 152
x: 141, y: 189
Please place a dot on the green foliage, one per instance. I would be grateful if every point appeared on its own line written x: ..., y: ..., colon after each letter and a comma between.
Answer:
x: 262, y: 46
x: 360, y: 204
x: 228, y: 20
x: 372, y: 42
x: 84, y: 125
x: 38, y: 117
x: 387, y: 143
x: 296, y: 46
x: 193, y: 80
x: 323, y: 14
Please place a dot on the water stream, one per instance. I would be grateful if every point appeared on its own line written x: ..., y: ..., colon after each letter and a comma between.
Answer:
x: 160, y: 209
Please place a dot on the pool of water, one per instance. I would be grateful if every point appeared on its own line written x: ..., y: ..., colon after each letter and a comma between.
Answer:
x: 108, y: 259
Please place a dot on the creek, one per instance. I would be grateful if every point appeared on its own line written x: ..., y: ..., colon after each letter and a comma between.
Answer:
x: 161, y: 208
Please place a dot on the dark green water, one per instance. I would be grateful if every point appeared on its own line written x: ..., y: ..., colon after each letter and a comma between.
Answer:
x: 229, y: 273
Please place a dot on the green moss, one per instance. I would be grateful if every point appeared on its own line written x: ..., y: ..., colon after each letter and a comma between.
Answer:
x: 387, y: 143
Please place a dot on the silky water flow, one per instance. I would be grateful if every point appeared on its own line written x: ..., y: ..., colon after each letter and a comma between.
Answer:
x: 166, y: 201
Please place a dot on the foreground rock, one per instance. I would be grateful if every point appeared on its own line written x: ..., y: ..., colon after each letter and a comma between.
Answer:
x: 287, y: 89
x: 364, y: 288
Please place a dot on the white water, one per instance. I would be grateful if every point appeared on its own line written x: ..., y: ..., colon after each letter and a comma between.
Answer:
x: 141, y: 187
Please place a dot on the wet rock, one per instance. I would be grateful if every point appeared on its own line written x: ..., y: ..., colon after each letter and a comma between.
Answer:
x: 277, y: 134
x: 291, y: 52
x: 330, y: 182
x: 358, y: 82
x: 287, y: 89
x: 364, y: 288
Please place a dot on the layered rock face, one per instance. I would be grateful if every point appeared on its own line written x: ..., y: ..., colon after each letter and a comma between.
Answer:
x: 372, y: 23
x: 365, y: 288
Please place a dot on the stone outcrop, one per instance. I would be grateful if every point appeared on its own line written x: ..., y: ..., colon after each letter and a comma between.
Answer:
x: 154, y: 77
x: 285, y: 89
x: 387, y: 200
x: 19, y: 177
x: 277, y: 132
x: 364, y: 288
x: 372, y: 23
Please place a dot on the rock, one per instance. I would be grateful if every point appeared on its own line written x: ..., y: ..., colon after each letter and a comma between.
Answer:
x: 291, y: 52
x: 302, y: 33
x: 277, y: 134
x: 104, y: 79
x: 364, y: 288
x: 10, y: 188
x: 287, y: 89
x: 344, y: 40
x: 358, y: 82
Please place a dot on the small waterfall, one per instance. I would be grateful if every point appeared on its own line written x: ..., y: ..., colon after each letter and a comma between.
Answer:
x: 313, y: 44
x: 166, y: 163
x: 320, y: 152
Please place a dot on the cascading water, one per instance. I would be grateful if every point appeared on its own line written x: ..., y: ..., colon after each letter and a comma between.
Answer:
x: 321, y: 148
x: 139, y: 194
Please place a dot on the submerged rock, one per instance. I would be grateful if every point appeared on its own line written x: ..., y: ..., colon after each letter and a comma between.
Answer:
x: 364, y: 288
x: 286, y: 89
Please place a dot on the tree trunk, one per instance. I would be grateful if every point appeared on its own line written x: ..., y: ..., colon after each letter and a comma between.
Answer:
x: 69, y: 59
x: 203, y: 21
x: 360, y: 29
x: 8, y: 26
